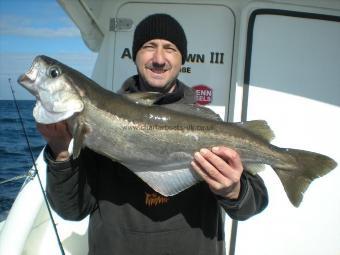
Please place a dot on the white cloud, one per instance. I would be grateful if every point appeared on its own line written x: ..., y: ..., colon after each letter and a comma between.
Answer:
x: 23, y: 26
x: 43, y: 32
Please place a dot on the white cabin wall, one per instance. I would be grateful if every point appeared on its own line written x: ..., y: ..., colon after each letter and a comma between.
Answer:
x: 103, y: 70
x: 297, y: 91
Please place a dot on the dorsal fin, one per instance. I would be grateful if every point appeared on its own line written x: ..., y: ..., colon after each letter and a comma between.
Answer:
x: 259, y: 128
x: 150, y: 98
x: 144, y: 98
x: 192, y: 109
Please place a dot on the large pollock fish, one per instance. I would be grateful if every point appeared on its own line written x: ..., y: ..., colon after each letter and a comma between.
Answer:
x: 157, y: 142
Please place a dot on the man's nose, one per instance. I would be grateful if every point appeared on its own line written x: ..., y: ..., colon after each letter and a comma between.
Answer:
x: 159, y: 56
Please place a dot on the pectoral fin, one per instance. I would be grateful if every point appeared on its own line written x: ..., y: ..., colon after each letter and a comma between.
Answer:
x: 80, y: 130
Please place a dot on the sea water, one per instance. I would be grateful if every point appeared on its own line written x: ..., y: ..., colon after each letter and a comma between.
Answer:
x: 15, y: 158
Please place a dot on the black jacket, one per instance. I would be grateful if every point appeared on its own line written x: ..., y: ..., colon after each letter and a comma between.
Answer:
x: 128, y: 217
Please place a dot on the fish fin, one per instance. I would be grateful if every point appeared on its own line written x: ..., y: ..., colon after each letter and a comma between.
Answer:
x: 259, y: 128
x: 80, y: 130
x: 254, y: 168
x: 167, y: 179
x: 192, y: 109
x: 151, y: 98
x: 309, y: 166
x: 169, y: 183
x: 143, y: 98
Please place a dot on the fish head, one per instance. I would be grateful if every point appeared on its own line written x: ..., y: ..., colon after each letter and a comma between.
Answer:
x: 50, y: 83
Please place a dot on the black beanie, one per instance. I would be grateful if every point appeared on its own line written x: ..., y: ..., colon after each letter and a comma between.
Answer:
x: 159, y: 26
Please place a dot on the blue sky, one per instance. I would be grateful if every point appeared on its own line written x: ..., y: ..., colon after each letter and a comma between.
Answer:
x: 33, y: 27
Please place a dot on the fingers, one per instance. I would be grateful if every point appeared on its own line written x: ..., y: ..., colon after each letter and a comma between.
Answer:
x: 58, y: 137
x: 205, y: 168
x: 210, y: 163
x: 221, y: 168
x: 49, y: 131
x: 220, y: 162
x: 230, y: 156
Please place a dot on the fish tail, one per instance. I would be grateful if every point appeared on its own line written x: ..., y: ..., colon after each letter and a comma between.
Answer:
x: 297, y: 177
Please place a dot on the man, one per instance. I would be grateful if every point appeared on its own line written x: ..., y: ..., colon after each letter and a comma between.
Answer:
x: 126, y: 215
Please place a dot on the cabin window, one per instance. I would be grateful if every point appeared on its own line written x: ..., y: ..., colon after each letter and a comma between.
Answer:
x: 294, y: 52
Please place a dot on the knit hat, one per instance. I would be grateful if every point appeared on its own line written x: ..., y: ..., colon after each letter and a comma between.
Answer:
x: 159, y: 26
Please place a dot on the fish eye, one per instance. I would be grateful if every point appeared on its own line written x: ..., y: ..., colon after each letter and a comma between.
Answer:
x: 54, y: 72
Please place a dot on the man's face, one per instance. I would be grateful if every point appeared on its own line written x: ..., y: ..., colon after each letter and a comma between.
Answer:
x: 158, y: 62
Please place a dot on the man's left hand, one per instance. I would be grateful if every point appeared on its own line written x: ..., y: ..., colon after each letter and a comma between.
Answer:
x: 221, y: 168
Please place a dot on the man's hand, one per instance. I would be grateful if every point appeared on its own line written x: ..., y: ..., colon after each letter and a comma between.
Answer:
x: 221, y: 168
x: 58, y: 137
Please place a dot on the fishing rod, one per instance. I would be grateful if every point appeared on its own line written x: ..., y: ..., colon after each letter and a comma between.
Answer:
x: 36, y: 171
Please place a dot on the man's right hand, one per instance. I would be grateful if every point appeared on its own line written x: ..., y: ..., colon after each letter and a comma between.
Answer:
x: 58, y: 137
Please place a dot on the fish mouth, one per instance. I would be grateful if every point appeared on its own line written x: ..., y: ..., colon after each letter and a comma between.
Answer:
x: 28, y: 79
x: 30, y: 76
x: 25, y: 80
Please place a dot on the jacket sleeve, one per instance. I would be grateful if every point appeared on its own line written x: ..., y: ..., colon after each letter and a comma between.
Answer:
x: 68, y: 186
x: 253, y: 198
